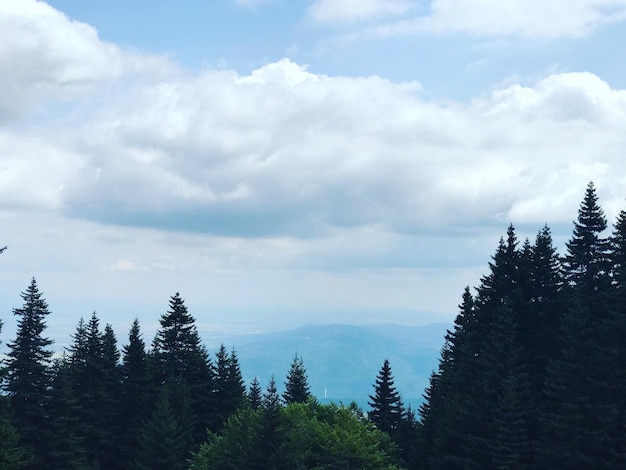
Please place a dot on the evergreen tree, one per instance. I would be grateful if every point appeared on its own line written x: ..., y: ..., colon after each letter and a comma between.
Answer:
x: 95, y: 375
x: 572, y: 429
x: 182, y: 364
x: 137, y: 391
x: 28, y: 373
x: 67, y: 432
x: 386, y: 404
x: 111, y: 390
x: 228, y: 387
x: 267, y: 445
x: 162, y: 442
x: 297, y: 385
x: 255, y: 394
x: 611, y: 337
x: 12, y: 455
x: 586, y: 263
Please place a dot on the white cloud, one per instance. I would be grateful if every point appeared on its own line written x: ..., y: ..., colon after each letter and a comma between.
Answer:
x: 526, y: 18
x: 285, y: 152
x: 284, y: 155
x: 45, y: 55
x: 330, y: 11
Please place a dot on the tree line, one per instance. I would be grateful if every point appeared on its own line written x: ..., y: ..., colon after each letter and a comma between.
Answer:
x: 170, y: 406
x: 532, y: 375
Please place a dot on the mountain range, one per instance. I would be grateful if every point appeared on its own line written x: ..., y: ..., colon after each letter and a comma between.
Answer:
x: 342, y: 361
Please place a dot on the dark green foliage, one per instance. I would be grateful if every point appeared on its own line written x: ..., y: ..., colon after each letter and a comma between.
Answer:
x: 96, y: 379
x: 297, y: 384
x: 386, y: 404
x: 587, y: 265
x: 28, y: 373
x: 269, y: 436
x: 181, y: 362
x: 137, y: 391
x: 12, y: 455
x: 67, y: 431
x: 571, y: 424
x: 229, y: 391
x: 255, y: 394
x: 162, y: 441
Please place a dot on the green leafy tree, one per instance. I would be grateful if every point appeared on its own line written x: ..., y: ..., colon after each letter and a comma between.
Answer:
x: 311, y: 436
x: 297, y: 388
x: 28, y: 373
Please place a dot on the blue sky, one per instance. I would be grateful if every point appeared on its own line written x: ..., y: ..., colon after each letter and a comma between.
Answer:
x: 282, y: 163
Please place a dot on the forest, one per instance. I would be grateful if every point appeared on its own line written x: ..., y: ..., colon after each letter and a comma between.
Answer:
x: 531, y: 375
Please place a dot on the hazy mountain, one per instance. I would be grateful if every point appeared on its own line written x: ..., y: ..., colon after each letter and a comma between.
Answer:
x: 342, y: 361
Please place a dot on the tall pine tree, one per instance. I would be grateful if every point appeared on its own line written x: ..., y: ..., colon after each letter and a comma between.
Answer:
x: 297, y: 385
x: 181, y: 364
x: 386, y: 404
x: 29, y: 374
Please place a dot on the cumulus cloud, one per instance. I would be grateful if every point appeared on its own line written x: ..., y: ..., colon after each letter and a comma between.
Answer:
x: 286, y: 152
x: 46, y: 55
x: 330, y: 11
x: 525, y: 18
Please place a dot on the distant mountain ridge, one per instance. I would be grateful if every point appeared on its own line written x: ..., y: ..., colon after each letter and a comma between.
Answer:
x: 342, y: 361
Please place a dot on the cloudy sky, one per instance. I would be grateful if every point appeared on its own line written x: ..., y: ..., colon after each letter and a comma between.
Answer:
x: 285, y: 162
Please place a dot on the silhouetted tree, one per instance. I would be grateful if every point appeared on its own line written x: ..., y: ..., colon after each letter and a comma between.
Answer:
x: 28, y: 373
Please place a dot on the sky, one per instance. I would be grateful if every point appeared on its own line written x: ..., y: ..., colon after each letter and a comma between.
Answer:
x: 281, y: 162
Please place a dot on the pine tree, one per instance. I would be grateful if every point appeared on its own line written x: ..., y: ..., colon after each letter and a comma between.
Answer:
x: 137, y: 392
x: 297, y: 385
x: 181, y: 363
x: 68, y: 451
x: 571, y: 417
x: 96, y: 379
x: 612, y: 335
x: 586, y: 263
x: 162, y: 442
x: 269, y: 438
x: 111, y: 390
x: 228, y: 387
x: 255, y: 394
x: 12, y: 455
x: 386, y: 404
x: 28, y: 373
